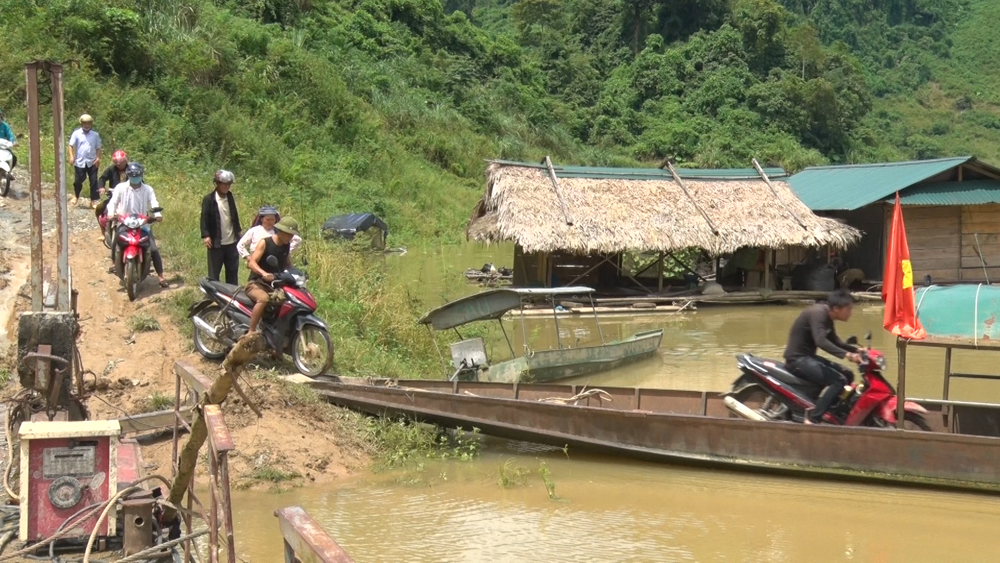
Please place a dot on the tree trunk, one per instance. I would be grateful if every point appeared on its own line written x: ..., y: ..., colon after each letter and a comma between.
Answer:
x: 236, y: 360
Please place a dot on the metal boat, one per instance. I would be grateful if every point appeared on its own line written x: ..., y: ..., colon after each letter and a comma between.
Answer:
x: 469, y: 358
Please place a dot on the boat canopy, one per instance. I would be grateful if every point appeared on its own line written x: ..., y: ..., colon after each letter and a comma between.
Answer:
x: 493, y: 304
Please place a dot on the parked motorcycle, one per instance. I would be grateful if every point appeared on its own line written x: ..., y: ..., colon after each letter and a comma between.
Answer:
x: 133, y: 260
x: 6, y: 166
x: 290, y: 327
x: 765, y: 390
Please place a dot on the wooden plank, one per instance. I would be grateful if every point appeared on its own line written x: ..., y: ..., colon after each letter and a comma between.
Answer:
x: 938, y: 276
x: 194, y: 379
x: 976, y: 275
x: 152, y: 420
x: 218, y: 433
x: 306, y: 540
x: 974, y: 262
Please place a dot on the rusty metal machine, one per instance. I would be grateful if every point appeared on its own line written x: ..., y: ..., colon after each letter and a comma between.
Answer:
x: 70, y: 466
x: 48, y: 365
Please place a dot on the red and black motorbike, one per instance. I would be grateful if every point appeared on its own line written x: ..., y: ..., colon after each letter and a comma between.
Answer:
x: 767, y: 391
x: 132, y: 256
x: 290, y: 327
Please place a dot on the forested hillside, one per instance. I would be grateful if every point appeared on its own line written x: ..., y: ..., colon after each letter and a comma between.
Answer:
x: 392, y: 105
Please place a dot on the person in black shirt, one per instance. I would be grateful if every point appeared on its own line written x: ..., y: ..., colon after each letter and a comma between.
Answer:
x: 112, y: 176
x: 814, y: 329
x: 258, y: 287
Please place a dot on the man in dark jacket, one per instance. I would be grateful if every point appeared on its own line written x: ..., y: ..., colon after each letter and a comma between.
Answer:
x: 220, y: 229
x: 814, y: 330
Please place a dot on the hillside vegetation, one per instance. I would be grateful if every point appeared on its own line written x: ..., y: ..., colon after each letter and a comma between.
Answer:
x: 333, y: 106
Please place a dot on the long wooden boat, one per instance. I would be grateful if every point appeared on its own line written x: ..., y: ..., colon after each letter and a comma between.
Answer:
x: 694, y: 428
x: 469, y: 359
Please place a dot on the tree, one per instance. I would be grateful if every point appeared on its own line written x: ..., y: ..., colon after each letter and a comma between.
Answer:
x: 804, y: 42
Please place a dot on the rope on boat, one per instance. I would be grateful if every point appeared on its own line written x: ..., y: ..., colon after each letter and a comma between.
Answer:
x: 601, y: 395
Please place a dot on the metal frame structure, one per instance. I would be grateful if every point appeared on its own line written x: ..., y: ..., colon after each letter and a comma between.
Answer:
x: 220, y: 444
x: 947, y: 406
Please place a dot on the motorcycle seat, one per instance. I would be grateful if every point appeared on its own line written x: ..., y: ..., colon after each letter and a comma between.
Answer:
x: 778, y: 371
x: 229, y: 290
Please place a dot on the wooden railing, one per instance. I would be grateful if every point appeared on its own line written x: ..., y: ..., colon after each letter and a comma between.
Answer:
x: 305, y: 540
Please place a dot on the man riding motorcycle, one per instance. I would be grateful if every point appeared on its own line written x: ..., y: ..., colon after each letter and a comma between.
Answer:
x: 136, y: 196
x: 814, y: 329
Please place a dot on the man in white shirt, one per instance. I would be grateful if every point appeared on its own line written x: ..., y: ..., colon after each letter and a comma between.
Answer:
x: 136, y: 196
x: 220, y: 228
x: 85, y: 156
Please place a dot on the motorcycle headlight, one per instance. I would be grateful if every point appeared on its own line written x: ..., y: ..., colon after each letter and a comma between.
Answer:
x: 133, y: 222
x: 880, y: 362
x: 299, y: 280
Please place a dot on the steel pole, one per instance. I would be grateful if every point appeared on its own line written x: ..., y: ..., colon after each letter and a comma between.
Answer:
x: 35, y: 185
x: 901, y: 383
x: 59, y: 170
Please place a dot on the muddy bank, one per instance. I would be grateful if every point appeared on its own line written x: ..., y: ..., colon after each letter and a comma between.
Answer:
x: 129, y: 348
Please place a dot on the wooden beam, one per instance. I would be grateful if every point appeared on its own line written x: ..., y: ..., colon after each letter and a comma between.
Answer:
x: 775, y: 192
x: 555, y: 187
x: 306, y: 540
x: 684, y: 189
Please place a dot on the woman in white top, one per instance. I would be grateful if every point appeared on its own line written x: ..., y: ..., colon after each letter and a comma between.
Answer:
x: 263, y: 227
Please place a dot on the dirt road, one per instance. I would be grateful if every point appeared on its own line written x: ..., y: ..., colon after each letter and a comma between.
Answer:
x: 132, y: 346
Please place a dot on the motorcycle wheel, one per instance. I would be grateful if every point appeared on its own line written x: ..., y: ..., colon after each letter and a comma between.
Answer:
x: 204, y: 343
x: 312, y: 351
x: 913, y: 421
x: 5, y: 185
x: 755, y: 398
x: 132, y: 279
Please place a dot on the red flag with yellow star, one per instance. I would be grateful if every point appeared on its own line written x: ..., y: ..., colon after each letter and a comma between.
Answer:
x: 897, y: 284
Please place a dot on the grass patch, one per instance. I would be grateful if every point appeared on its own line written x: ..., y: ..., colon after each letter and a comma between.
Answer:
x: 510, y: 474
x: 5, y: 376
x: 271, y: 474
x: 546, y: 475
x: 399, y: 442
x: 143, y: 322
x: 158, y: 402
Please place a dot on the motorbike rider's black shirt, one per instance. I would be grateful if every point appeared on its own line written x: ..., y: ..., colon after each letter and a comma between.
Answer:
x: 271, y: 248
x: 814, y: 329
x: 111, y: 177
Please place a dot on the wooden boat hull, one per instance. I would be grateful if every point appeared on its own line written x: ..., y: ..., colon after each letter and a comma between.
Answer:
x: 690, y: 428
x: 551, y: 365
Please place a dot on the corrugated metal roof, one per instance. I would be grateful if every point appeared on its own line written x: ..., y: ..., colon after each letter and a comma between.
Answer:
x: 828, y: 188
x: 973, y: 192
x: 652, y: 173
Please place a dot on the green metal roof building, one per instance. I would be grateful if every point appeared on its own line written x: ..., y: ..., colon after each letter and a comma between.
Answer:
x: 952, y: 213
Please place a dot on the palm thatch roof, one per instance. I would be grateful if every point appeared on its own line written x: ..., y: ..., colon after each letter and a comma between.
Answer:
x: 644, y: 210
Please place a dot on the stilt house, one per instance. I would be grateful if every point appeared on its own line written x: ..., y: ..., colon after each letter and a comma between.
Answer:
x: 572, y: 225
x: 951, y: 211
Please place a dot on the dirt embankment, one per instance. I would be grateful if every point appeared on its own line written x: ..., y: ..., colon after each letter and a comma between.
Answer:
x: 131, y: 348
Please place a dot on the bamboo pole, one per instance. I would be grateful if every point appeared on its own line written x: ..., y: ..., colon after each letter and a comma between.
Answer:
x: 775, y: 192
x: 677, y: 178
x: 555, y: 187
x: 238, y: 357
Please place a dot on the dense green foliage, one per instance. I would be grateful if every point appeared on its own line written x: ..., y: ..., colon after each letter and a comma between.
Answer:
x: 331, y: 106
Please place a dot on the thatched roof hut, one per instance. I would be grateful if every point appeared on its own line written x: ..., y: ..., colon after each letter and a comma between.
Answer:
x: 596, y: 210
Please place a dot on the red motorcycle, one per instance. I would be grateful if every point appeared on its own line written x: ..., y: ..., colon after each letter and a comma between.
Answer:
x: 291, y: 327
x: 765, y: 390
x: 133, y: 260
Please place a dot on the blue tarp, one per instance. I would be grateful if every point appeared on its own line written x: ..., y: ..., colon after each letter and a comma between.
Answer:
x: 347, y: 226
x: 967, y: 311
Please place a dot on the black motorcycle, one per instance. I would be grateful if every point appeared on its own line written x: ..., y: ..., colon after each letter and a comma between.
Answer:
x: 289, y: 327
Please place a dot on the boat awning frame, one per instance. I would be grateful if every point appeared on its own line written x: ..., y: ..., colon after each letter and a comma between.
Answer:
x: 493, y: 304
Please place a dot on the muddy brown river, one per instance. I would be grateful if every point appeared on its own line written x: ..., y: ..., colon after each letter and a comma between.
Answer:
x: 619, y: 510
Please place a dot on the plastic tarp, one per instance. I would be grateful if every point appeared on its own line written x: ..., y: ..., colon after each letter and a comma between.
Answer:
x: 347, y: 226
x: 966, y: 311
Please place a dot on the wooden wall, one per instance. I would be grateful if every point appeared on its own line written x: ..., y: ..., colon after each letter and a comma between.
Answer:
x: 542, y: 270
x: 943, y: 241
x: 983, y: 220
x: 935, y: 237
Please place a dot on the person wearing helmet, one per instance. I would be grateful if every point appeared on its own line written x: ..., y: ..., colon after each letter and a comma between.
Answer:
x: 220, y: 228
x: 263, y: 227
x: 85, y: 156
x: 110, y: 178
x: 136, y: 196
